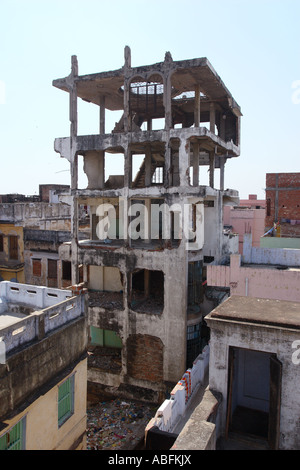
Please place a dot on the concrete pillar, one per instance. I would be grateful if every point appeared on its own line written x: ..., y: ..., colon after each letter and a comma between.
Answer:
x: 212, y: 117
x: 74, y: 168
x: 167, y: 165
x: 101, y: 169
x: 168, y: 64
x: 222, y: 171
x: 148, y: 166
x: 94, y: 168
x: 127, y: 67
x: 127, y: 167
x: 196, y: 163
x: 167, y: 102
x: 197, y: 106
x: 184, y: 160
x: 102, y: 115
x: 211, y: 168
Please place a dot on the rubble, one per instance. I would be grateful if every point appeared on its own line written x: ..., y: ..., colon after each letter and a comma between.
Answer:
x: 117, y: 425
x: 109, y: 300
x: 105, y: 358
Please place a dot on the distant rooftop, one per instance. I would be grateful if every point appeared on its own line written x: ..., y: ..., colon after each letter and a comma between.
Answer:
x: 261, y: 311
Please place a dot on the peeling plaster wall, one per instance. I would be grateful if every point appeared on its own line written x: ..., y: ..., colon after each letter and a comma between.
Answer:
x: 259, y: 338
x: 178, y: 150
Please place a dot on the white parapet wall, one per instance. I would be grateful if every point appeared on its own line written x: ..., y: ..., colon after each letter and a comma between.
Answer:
x: 172, y: 410
x: 38, y: 297
x: 52, y: 308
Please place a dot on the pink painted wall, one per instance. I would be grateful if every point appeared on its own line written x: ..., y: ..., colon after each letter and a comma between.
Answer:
x: 255, y: 281
x: 247, y: 218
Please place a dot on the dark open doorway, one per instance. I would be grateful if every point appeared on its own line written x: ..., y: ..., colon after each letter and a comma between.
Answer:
x: 254, y: 388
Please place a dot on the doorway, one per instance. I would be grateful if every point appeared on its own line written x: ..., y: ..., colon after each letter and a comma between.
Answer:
x: 254, y: 389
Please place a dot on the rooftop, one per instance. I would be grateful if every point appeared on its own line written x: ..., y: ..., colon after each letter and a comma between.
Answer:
x: 277, y: 313
x: 188, y: 74
x: 29, y: 312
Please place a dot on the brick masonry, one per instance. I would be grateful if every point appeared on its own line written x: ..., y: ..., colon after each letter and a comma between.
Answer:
x: 283, y: 202
x: 145, y: 357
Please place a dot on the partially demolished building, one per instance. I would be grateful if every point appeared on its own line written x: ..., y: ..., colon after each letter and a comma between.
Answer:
x: 154, y: 229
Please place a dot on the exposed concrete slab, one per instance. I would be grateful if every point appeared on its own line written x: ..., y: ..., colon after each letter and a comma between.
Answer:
x: 263, y: 311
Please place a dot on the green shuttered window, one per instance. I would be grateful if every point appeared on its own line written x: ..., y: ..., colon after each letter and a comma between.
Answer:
x: 65, y: 400
x: 14, y: 439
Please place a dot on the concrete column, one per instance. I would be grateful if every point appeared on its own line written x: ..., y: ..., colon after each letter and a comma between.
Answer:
x: 196, y: 163
x: 212, y: 117
x: 94, y: 169
x: 167, y: 164
x: 168, y: 64
x: 148, y: 166
x: 197, y: 106
x: 74, y: 169
x: 102, y: 115
x: 127, y: 67
x: 184, y: 159
x: 211, y: 168
x: 101, y: 169
x: 127, y: 167
x: 222, y: 171
x: 167, y: 101
x: 73, y: 123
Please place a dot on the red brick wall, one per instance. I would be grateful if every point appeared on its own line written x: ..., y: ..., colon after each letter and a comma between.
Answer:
x: 288, y: 202
x: 145, y: 357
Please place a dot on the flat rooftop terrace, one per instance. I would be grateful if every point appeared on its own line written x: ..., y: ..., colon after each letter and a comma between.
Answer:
x: 29, y: 312
x: 278, y: 313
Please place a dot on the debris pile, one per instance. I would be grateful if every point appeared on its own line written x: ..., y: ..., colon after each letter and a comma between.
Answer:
x: 105, y: 358
x: 109, y: 300
x: 152, y: 304
x: 117, y: 424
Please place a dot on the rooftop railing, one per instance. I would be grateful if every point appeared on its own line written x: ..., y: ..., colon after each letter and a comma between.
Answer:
x: 52, y: 309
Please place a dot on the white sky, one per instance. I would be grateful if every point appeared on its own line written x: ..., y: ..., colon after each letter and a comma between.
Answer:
x: 253, y: 45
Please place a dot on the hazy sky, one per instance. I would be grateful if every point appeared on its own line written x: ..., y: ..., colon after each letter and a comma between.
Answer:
x: 253, y: 45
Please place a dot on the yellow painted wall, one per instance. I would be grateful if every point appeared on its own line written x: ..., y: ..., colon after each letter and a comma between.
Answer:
x: 8, y: 274
x: 105, y: 278
x: 42, y: 431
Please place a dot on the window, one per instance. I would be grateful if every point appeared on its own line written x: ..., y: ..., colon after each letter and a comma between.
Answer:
x: 14, y: 438
x: 36, y: 267
x: 65, y: 400
x: 158, y: 175
x: 13, y: 247
x: 106, y: 338
x: 66, y: 270
x: 1, y: 243
x: 52, y: 273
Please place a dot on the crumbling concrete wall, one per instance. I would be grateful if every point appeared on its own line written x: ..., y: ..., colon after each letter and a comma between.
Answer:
x: 265, y: 338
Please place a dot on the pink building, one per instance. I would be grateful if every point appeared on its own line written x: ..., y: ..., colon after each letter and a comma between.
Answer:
x: 248, y: 217
x: 258, y: 281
